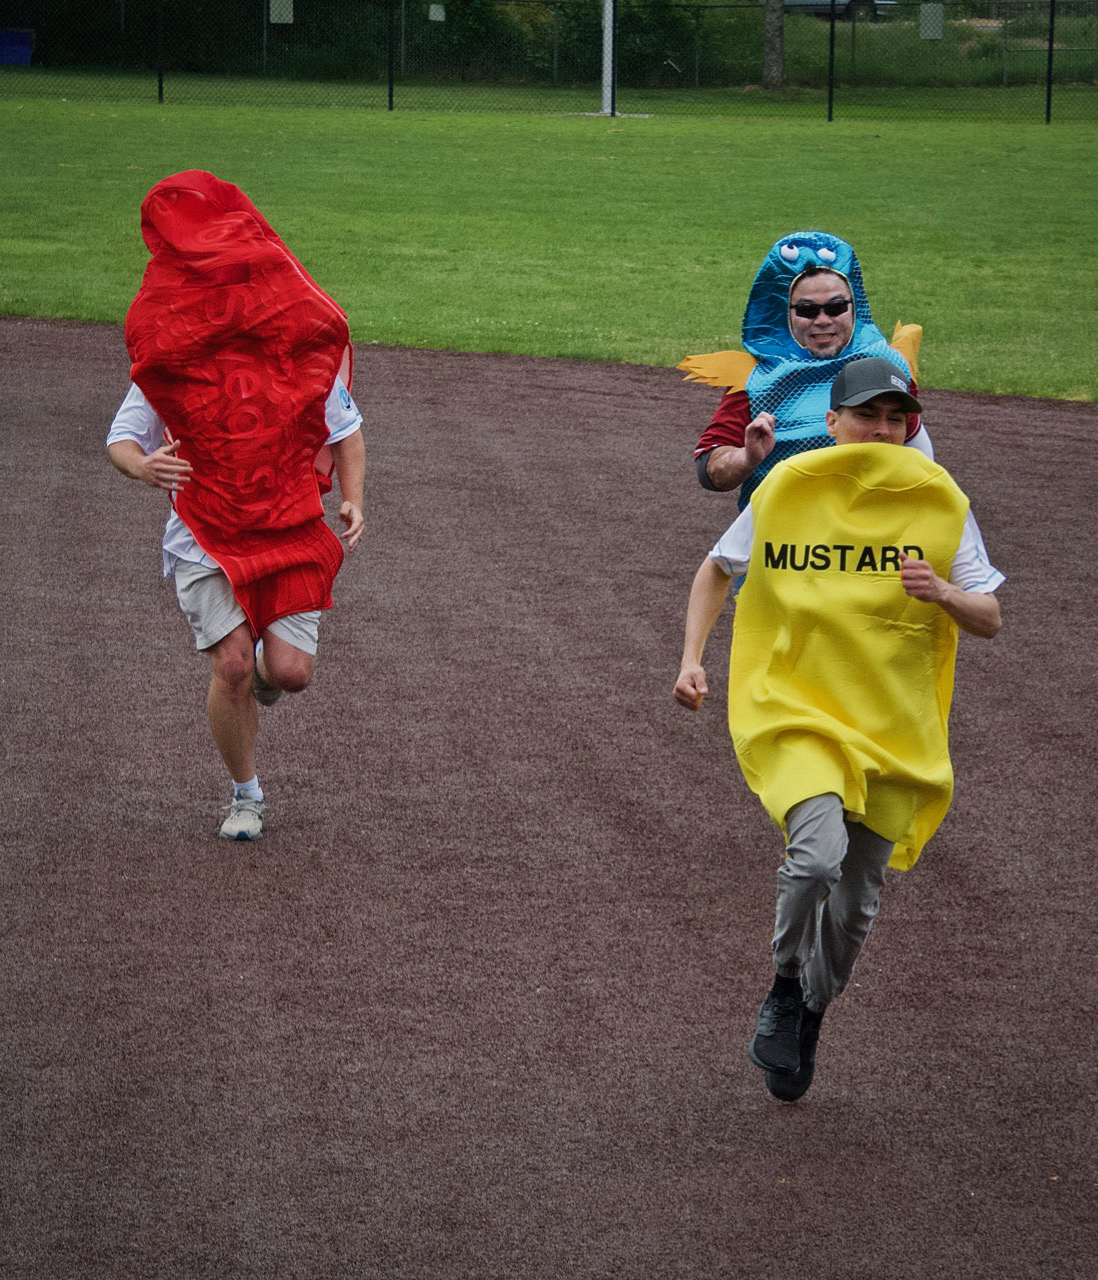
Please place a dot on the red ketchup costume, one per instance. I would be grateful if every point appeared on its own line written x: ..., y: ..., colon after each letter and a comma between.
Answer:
x: 237, y: 348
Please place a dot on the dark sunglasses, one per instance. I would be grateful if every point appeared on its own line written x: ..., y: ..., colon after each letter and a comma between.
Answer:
x: 810, y: 310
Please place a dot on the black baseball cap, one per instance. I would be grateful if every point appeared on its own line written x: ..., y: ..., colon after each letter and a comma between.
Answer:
x: 861, y: 380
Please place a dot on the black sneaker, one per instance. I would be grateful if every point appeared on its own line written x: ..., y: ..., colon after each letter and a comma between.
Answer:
x: 775, y: 1045
x: 790, y: 1088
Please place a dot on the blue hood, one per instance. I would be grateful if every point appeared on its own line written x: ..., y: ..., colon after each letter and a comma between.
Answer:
x: 766, y: 332
x: 788, y: 380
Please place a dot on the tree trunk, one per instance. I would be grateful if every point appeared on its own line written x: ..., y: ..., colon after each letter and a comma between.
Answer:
x: 774, y: 46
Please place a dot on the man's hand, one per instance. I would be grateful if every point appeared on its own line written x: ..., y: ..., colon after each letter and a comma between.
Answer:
x: 758, y: 439
x: 918, y: 579
x: 352, y: 518
x: 164, y: 469
x: 161, y: 469
x: 691, y: 688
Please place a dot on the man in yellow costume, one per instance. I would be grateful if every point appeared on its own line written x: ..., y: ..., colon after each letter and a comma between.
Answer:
x: 861, y: 564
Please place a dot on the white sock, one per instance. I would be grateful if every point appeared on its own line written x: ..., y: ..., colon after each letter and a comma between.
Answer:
x: 250, y: 790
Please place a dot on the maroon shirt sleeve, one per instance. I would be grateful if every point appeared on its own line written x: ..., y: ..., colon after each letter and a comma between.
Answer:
x: 729, y: 423
x: 914, y: 421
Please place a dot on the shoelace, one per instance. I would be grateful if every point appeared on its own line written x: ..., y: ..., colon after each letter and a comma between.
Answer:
x: 785, y: 1014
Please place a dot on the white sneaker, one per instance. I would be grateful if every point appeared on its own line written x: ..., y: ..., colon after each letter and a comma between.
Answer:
x: 245, y: 820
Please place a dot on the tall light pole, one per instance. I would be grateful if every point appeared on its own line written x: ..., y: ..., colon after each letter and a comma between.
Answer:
x: 609, y: 14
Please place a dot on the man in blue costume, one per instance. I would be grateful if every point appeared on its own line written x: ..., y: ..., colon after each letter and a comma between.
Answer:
x: 807, y: 316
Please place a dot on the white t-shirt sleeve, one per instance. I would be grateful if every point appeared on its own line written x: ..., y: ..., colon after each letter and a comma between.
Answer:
x: 733, y: 550
x: 341, y: 413
x: 971, y: 569
x: 137, y: 420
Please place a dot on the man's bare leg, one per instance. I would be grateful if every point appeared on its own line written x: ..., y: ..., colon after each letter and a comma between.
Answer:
x: 283, y: 665
x: 233, y: 714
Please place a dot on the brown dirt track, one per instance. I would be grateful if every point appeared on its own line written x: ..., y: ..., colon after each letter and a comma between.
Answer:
x: 478, y: 1005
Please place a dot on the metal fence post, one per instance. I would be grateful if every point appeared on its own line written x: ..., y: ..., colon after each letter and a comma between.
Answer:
x: 1051, y: 38
x: 831, y: 67
x: 392, y: 49
x: 160, y: 51
x: 614, y: 58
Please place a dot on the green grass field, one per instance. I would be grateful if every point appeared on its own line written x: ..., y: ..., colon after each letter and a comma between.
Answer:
x: 617, y: 239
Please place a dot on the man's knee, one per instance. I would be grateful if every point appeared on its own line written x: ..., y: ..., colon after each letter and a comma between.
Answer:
x: 817, y: 841
x: 232, y: 659
x: 295, y: 681
x: 811, y: 865
x: 289, y: 668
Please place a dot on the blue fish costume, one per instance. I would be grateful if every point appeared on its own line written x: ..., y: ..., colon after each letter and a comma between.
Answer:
x: 779, y: 375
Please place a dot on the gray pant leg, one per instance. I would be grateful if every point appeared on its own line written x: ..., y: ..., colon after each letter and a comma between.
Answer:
x: 847, y: 915
x: 813, y: 861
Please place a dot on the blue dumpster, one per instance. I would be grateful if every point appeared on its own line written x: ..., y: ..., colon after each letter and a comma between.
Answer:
x: 16, y: 48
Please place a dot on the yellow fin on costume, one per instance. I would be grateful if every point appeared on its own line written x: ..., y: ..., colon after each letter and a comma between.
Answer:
x: 906, y: 339
x: 729, y: 369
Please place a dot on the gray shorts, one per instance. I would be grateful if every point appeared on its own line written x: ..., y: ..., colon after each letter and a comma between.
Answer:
x: 207, y: 600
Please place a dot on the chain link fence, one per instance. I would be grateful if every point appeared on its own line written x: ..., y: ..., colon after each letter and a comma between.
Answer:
x: 1025, y: 60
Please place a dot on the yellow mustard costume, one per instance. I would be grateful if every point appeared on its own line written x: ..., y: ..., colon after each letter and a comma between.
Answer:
x: 841, y: 682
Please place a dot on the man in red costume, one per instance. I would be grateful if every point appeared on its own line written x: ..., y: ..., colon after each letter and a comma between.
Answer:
x: 240, y: 408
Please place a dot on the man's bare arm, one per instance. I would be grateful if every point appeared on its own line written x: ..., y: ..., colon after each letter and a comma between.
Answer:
x: 728, y: 466
x: 162, y: 469
x: 707, y: 596
x: 976, y: 612
x: 349, y: 458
